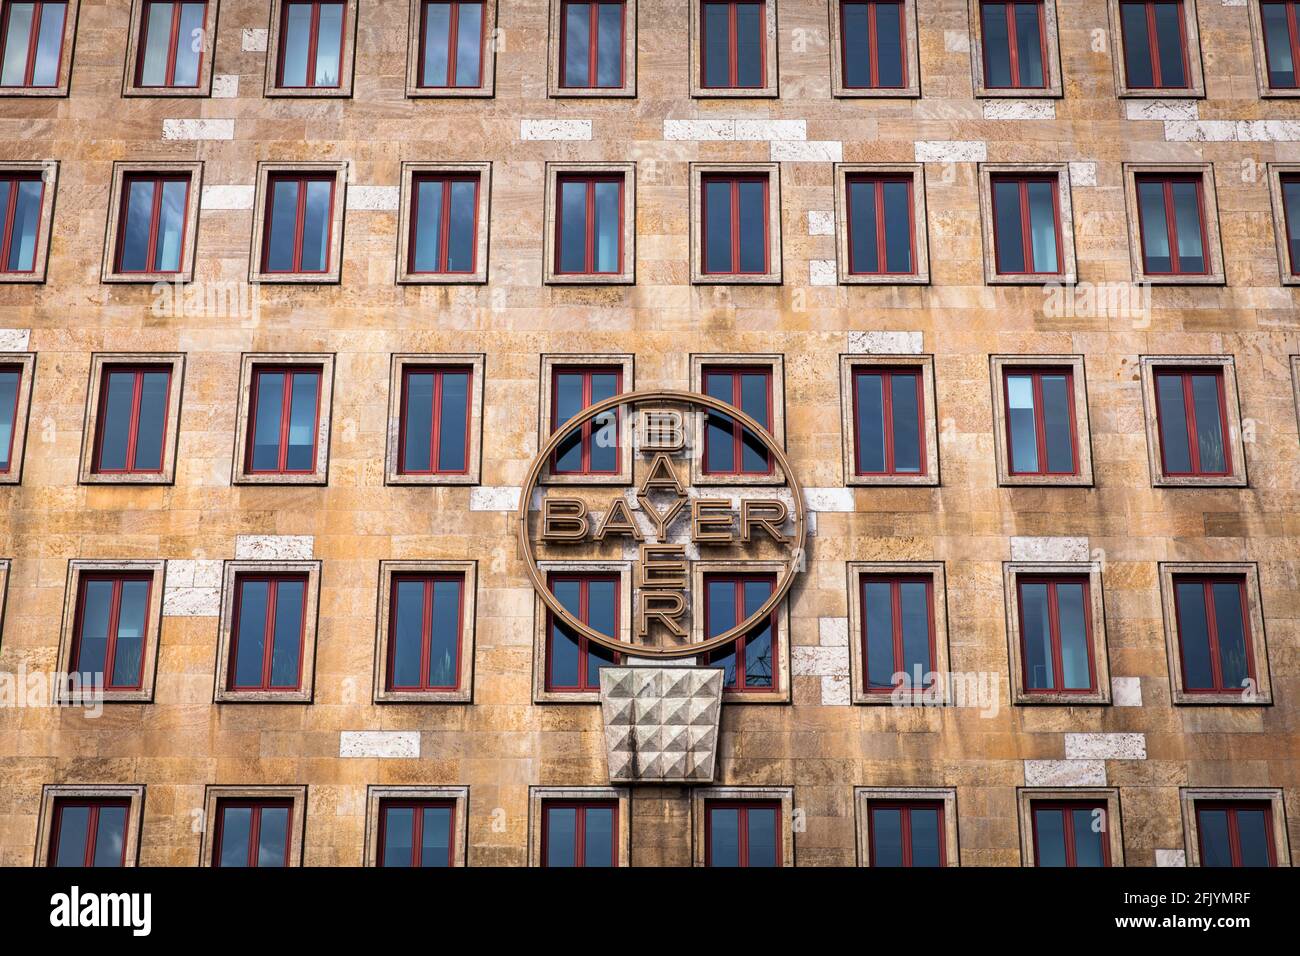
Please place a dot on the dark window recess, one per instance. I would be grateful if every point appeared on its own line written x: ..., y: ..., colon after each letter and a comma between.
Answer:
x: 733, y: 54
x: 424, y: 632
x: 907, y: 833
x: 283, y: 421
x: 451, y: 45
x: 20, y: 218
x: 252, y: 833
x: 171, y: 45
x: 591, y: 45
x: 109, y: 634
x: 579, y: 833
x: 444, y: 224
x: 1171, y: 215
x: 592, y: 448
x: 589, y: 225
x: 11, y: 380
x: 735, y: 227
x: 1014, y: 45
x: 882, y: 237
x: 89, y: 832
x: 1155, y: 44
x: 1214, y: 634
x: 897, y: 632
x: 1026, y: 225
x: 1070, y: 834
x: 435, y: 421
x: 873, y: 38
x: 1235, y: 834
x: 729, y: 447
x: 1040, y: 422
x: 750, y: 663
x: 1056, y: 634
x: 573, y: 662
x: 889, y: 422
x: 1192, y: 419
x: 1291, y: 216
x: 311, y: 45
x: 31, y: 40
x: 742, y: 833
x: 132, y: 420
x: 151, y: 231
x: 416, y: 833
x: 299, y: 217
x: 267, y: 638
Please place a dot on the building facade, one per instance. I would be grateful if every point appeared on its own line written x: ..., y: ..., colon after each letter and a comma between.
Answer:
x: 293, y: 295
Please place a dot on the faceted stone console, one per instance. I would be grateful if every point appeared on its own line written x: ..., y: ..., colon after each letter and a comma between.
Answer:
x: 661, y: 723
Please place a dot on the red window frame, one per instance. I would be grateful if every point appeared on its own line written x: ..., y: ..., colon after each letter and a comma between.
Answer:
x: 593, y: 45
x: 1013, y: 46
x: 9, y: 181
x: 453, y: 48
x: 444, y: 222
x: 289, y: 372
x: 1232, y: 808
x: 118, y: 578
x: 1054, y: 631
x: 1026, y: 233
x: 155, y: 215
x: 873, y: 45
x: 8, y: 465
x: 733, y: 45
x: 1040, y: 419
x: 590, y: 180
x: 579, y: 827
x: 313, y: 41
x: 1067, y: 807
x: 1171, y: 222
x: 435, y: 431
x: 744, y: 806
x: 1189, y: 421
x: 895, y: 582
x: 173, y: 42
x: 585, y: 681
x: 735, y: 372
x: 133, y: 434
x: 426, y: 631
x: 268, y: 643
x: 33, y: 42
x: 254, y: 826
x: 905, y: 808
x: 587, y: 372
x: 92, y: 826
x: 734, y: 180
x: 1153, y: 46
x: 1293, y: 39
x: 887, y: 413
x: 738, y: 582
x: 302, y: 179
x: 417, y: 828
x: 1207, y: 582
x: 876, y: 182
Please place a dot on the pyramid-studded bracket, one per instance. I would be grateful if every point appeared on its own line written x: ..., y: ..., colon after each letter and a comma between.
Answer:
x: 661, y: 723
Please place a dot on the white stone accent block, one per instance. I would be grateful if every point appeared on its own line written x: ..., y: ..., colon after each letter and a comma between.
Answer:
x: 1176, y: 857
x: 830, y: 499
x: 274, y: 547
x: 373, y: 198
x: 1083, y: 174
x: 1161, y: 109
x: 821, y: 223
x: 749, y: 130
x: 1049, y: 549
x: 1019, y: 110
x: 835, y: 691
x: 14, y: 340
x: 379, y: 743
x: 765, y: 129
x: 225, y: 86
x: 228, y: 197
x: 254, y: 41
x: 1232, y: 131
x: 191, y: 602
x: 1126, y: 691
x: 823, y: 151
x: 193, y: 574
x: 822, y: 272
x: 501, y: 498
x: 886, y: 343
x: 1234, y: 3
x: 833, y: 631
x: 177, y: 129
x: 702, y: 130
x: 1065, y: 773
x: 1105, y: 746
x: 820, y: 661
x: 550, y: 129
x: 951, y: 151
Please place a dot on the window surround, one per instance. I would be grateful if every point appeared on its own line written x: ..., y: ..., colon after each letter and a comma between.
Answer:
x: 174, y: 362
x: 1169, y: 570
x: 487, y: 65
x: 464, y: 692
x: 999, y: 366
x: 538, y: 797
x: 1065, y: 222
x: 1236, y: 449
x: 266, y: 170
x: 771, y: 87
x: 1213, y: 248
x: 4, y: 588
x: 924, y: 363
x: 215, y: 794
x: 1051, y: 61
x: 121, y: 171
x: 863, y: 797
x: 1195, y: 88
x: 1266, y: 90
x: 48, y: 170
x: 781, y: 693
x: 51, y: 794
x: 1012, y: 572
x: 347, y: 53
x: 409, y: 172
x: 377, y: 795
x: 702, y: 796
x: 222, y: 694
x: 1026, y: 797
x: 1276, y: 171
x: 857, y: 570
x: 77, y: 568
x: 1295, y: 378
x: 541, y: 633
x: 65, y: 59
x: 550, y: 243
x: 552, y: 363
x: 554, y: 66
x: 920, y: 235
x: 774, y: 364
x: 134, y: 49
x: 698, y: 172
x: 1188, y: 797
x: 249, y: 362
x: 476, y: 362
x: 912, y: 68
x: 26, y: 364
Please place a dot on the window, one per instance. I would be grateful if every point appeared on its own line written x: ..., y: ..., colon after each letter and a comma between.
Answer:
x: 579, y: 833
x: 173, y: 39
x: 132, y: 420
x: 750, y: 663
x: 1291, y: 212
x: 888, y: 417
x: 1277, y: 46
x: 735, y: 235
x: 1014, y: 45
x: 298, y: 223
x: 309, y: 48
x: 1055, y: 630
x: 1070, y: 833
x: 95, y: 826
x: 588, y: 226
x: 253, y: 833
x: 111, y: 628
x: 897, y: 632
x: 742, y: 833
x: 880, y: 225
x: 1235, y: 828
x: 284, y: 420
x: 1172, y: 217
x: 33, y: 46
x: 729, y: 447
x: 592, y: 37
x: 1191, y: 412
x: 266, y: 645
x: 425, y: 625
x: 594, y: 448
x: 873, y: 44
x: 15, y: 396
x: 152, y: 227
x: 1214, y: 634
x: 1284, y: 189
x: 416, y: 833
x: 573, y: 662
x: 1026, y: 226
x: 21, y: 196
x: 906, y: 833
x: 444, y: 223
x: 1155, y: 44
x: 733, y: 47
x: 1041, y: 432
x: 452, y: 37
x: 436, y: 411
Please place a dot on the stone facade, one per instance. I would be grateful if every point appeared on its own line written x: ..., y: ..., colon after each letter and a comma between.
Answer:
x: 1143, y: 747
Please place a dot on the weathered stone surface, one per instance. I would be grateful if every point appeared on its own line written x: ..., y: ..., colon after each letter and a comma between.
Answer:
x: 1065, y: 773
x: 379, y: 743
x: 1105, y: 747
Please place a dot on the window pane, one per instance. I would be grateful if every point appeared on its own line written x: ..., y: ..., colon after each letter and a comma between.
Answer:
x: 749, y: 44
x: 577, y: 44
x: 302, y: 422
x: 316, y: 226
x: 878, y: 619
x: 1277, y: 42
x: 9, y: 382
x: 869, y: 410
x: 171, y: 226
x: 110, y: 835
x: 250, y: 635
x: 916, y: 630
x: 74, y: 824
x: 1229, y: 622
x: 609, y: 65
x: 563, y: 645
x: 762, y: 836
x: 997, y: 45
x: 907, y: 424
x: 297, y: 37
x: 889, y: 45
x: 1216, y: 846
x: 724, y: 836
x: 898, y: 227
x: 717, y: 45
x: 598, y: 842
x: 1193, y: 635
x: 115, y: 424
x: 129, y: 648
x: 284, y: 225
x: 464, y: 211
x: 408, y: 629
x: 602, y: 616
x: 453, y: 419
x: 399, y: 829
x: 1169, y: 44
x: 1137, y: 45
x: 568, y: 403
x: 608, y: 232
x: 754, y: 399
x: 857, y: 44
x: 1049, y: 838
x: 721, y: 607
x: 720, y: 445
x: 272, y: 836
x: 1008, y: 228
x: 153, y: 419
x: 1253, y: 837
x: 863, y: 248
x: 1073, y: 627
x: 1187, y: 219
x: 189, y: 38
x: 573, y: 226
x: 469, y: 45
x: 157, y: 42
x: 1088, y: 836
x: 435, y: 837
x: 1037, y: 636
x: 753, y: 226
x: 27, y: 216
x: 428, y: 225
x: 1171, y: 410
x: 286, y: 650
x: 1209, y: 423
x: 758, y: 643
x: 266, y: 422
x: 1155, y: 231
x: 437, y: 33
x: 444, y: 642
x: 717, y: 226
x: 92, y: 644
x: 18, y: 35
x: 45, y: 71
x: 604, y: 428
x: 417, y: 421
x: 1057, y: 398
x: 1021, y: 419
x: 1029, y: 45
x: 328, y: 45
x: 1291, y: 204
x: 134, y: 255
x: 1042, y: 226
x: 561, y: 836
x: 236, y: 830
x: 886, y: 836
x: 925, y: 836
